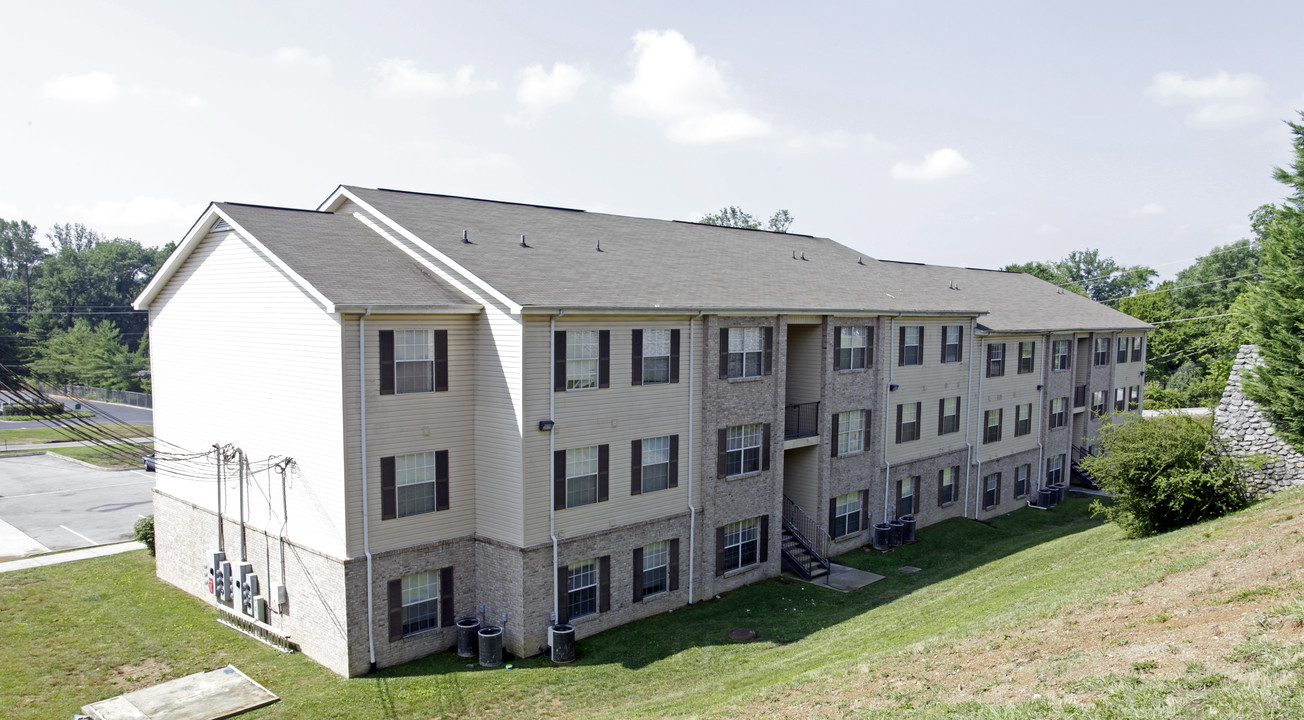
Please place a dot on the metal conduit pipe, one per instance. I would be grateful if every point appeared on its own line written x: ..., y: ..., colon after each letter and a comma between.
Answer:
x: 552, y: 456
x: 692, y: 509
x: 366, y: 515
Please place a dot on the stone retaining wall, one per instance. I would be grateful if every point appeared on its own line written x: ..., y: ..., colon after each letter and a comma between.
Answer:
x: 1239, y: 421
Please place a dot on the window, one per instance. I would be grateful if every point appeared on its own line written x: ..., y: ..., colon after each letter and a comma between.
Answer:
x: 948, y: 415
x: 1057, y: 412
x: 946, y: 485
x: 1134, y: 397
x: 582, y: 589
x: 951, y: 339
x: 655, y: 358
x: 906, y: 488
x: 1120, y: 399
x: 420, y: 602
x: 741, y: 544
x: 1138, y: 345
x: 581, y: 359
x: 911, y: 350
x: 1123, y: 349
x: 654, y: 464
x: 854, y: 347
x: 413, y: 484
x: 1094, y: 450
x: 1060, y: 355
x: 996, y: 360
x: 656, y: 568
x: 851, y: 431
x: 992, y: 425
x: 907, y: 426
x: 581, y: 476
x: 1022, y: 419
x: 413, y: 361
x: 991, y: 490
x: 1021, y: 474
x: 1026, y: 352
x: 1054, y: 469
x: 1102, y: 351
x: 743, y: 449
x: 1098, y: 402
x: 747, y: 350
x: 846, y: 515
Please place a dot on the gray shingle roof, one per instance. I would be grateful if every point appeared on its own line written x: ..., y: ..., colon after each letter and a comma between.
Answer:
x: 647, y: 263
x: 345, y: 260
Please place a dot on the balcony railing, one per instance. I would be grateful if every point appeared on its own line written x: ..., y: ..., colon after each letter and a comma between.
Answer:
x: 1080, y: 396
x: 807, y: 532
x: 801, y: 420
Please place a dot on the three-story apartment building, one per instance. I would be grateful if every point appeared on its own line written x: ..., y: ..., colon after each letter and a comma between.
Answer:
x: 448, y: 407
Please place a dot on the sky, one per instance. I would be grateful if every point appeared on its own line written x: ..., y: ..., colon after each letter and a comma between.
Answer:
x: 956, y: 133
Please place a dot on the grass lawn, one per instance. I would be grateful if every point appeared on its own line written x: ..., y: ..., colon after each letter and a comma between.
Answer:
x: 93, y: 629
x: 60, y: 416
x: 113, y: 456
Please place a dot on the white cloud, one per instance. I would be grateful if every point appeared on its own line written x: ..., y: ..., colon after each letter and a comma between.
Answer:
x: 402, y: 78
x: 675, y: 85
x: 301, y: 56
x: 1149, y: 209
x: 937, y: 165
x: 92, y: 87
x: 141, y: 211
x: 540, y: 89
x: 1213, y: 100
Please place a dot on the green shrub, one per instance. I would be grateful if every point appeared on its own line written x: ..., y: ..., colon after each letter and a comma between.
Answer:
x: 1164, y: 474
x: 32, y: 409
x: 145, y: 532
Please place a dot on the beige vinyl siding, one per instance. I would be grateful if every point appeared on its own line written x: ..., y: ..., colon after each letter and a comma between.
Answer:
x: 499, y: 424
x: 801, y: 470
x: 615, y: 416
x: 926, y: 384
x: 805, y: 356
x: 408, y: 423
x: 242, y: 354
x: 1005, y: 393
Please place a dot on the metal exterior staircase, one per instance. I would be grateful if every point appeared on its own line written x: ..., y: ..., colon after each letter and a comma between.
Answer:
x: 805, y: 544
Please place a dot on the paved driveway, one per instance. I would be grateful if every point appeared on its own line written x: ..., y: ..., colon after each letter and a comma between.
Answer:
x: 104, y: 413
x: 49, y: 503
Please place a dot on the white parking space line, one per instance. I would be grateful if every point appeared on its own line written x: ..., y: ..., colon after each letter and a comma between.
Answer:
x: 68, y: 490
x: 83, y: 537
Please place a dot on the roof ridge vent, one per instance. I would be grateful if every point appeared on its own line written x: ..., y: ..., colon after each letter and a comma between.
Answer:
x: 523, y: 242
x: 465, y: 239
x: 599, y: 245
x: 803, y: 254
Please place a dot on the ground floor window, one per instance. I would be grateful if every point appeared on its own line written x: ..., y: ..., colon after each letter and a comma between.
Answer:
x: 420, y: 602
x: 946, y: 485
x: 582, y: 588
x: 1054, y: 469
x: 656, y: 568
x: 1021, y: 474
x: 741, y: 544
x: 991, y: 490
x: 846, y: 515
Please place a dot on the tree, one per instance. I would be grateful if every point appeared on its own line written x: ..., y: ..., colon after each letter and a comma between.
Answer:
x: 89, y: 354
x: 1103, y: 278
x: 1275, y: 307
x: 734, y: 216
x: 1214, y: 281
x: 1046, y: 271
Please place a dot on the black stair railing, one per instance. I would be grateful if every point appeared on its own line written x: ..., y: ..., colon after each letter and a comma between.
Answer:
x: 801, y: 420
x: 808, y: 533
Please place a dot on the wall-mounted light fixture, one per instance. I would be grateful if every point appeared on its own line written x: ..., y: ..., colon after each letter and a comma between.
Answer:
x: 892, y: 387
x: 1039, y: 387
x: 546, y: 425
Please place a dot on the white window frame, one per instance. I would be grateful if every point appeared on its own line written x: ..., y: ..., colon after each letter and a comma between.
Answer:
x: 1102, y: 351
x: 414, y: 361
x: 580, y: 482
x: 954, y: 417
x: 738, y: 537
x: 420, y: 600
x: 1098, y: 408
x: 582, y: 588
x: 1058, y: 416
x: 582, y: 353
x: 746, y: 352
x: 853, y: 347
x: 951, y: 343
x: 1123, y: 349
x: 1031, y: 357
x: 851, y: 432
x: 846, y: 515
x: 743, y: 449
x: 910, y: 413
x: 946, y: 479
x: 656, y: 356
x: 656, y: 564
x: 988, y: 425
x: 414, y: 484
x: 1022, y: 474
x: 991, y: 490
x: 996, y: 360
x: 1062, y: 358
x: 656, y: 450
x: 912, y: 351
x: 1022, y: 419
x: 1055, y: 469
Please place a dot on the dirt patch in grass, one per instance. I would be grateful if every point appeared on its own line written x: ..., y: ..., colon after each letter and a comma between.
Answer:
x: 134, y: 676
x: 1242, y: 590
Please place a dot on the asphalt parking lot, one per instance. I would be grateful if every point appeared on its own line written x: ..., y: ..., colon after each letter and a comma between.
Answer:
x: 49, y: 503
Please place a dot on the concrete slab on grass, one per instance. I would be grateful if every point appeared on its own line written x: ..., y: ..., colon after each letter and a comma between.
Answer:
x: 846, y: 579
x: 210, y: 695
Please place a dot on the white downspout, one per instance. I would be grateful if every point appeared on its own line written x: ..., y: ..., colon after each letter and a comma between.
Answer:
x: 982, y: 429
x: 1049, y: 352
x: 692, y: 509
x: 366, y: 515
x: 887, y: 396
x: 968, y: 418
x: 552, y: 456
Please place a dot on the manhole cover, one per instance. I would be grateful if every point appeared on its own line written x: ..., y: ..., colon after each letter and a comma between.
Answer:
x: 742, y: 635
x: 909, y: 569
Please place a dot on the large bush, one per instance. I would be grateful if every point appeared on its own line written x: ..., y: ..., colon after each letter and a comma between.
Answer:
x: 145, y: 532
x: 1165, y: 473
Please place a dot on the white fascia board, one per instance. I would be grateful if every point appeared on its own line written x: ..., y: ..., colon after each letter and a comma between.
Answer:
x: 513, y: 308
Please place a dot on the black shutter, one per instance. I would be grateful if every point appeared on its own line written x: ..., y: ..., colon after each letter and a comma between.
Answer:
x: 719, y: 551
x: 833, y: 436
x: 833, y: 514
x: 441, y: 480
x: 919, y: 420
x: 604, y: 455
x: 722, y: 453
x: 837, y: 349
x: 869, y: 346
x: 441, y: 360
x: 763, y: 553
x: 636, y: 357
x: 674, y: 461
x: 864, y: 510
x: 559, y: 361
x: 388, y: 491
x: 1000, y: 422
x: 604, y: 358
x: 724, y: 352
x: 769, y: 350
x: 941, y: 413
x: 445, y: 597
x: 386, y: 362
x: 901, y: 347
x: 943, y: 343
x: 1004, y: 361
x: 959, y: 355
x: 674, y: 564
x: 559, y: 480
x: 674, y: 356
x: 636, y: 467
x: 898, y: 428
x: 865, y: 418
x: 638, y: 574
x: 395, y: 610
x: 765, y: 446
x: 563, y: 593
x: 604, y: 583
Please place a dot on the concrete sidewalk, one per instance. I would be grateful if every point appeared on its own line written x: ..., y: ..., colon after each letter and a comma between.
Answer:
x: 70, y: 556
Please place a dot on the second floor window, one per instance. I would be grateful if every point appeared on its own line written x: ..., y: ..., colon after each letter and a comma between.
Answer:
x: 907, y: 426
x: 948, y: 419
x: 654, y: 461
x: 853, y: 348
x: 1098, y: 402
x: 850, y: 431
x: 1134, y: 397
x: 1102, y: 351
x: 1057, y: 412
x: 582, y: 476
x: 992, y: 425
x: 743, y: 452
x: 911, y: 350
x: 1022, y: 419
x: 1120, y: 399
x: 951, y: 339
x: 1060, y: 355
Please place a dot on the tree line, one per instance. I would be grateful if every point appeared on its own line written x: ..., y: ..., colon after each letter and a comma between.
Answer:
x: 66, y: 305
